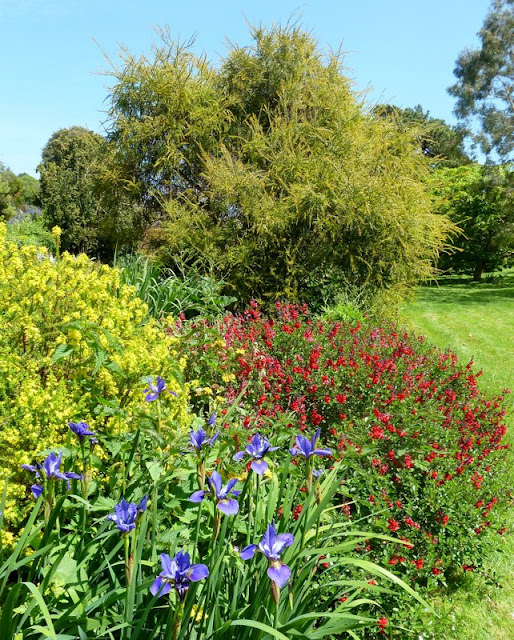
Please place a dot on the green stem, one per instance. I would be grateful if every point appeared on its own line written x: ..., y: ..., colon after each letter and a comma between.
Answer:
x: 154, y: 522
x: 159, y: 417
x: 174, y: 621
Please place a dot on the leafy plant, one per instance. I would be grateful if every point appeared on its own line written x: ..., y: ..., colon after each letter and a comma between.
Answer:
x: 89, y: 568
x: 167, y: 293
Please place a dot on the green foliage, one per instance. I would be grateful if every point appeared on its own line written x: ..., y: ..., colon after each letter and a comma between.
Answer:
x: 9, y: 188
x: 29, y: 189
x: 479, y: 200
x: 86, y: 579
x: 31, y: 231
x: 270, y: 170
x: 166, y: 293
x: 484, y: 86
x: 439, y: 141
x: 67, y: 186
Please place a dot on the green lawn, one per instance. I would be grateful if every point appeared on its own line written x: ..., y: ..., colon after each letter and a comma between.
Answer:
x: 475, y: 320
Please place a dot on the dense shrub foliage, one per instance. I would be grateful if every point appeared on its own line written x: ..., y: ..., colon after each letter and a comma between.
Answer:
x: 421, y: 444
x: 73, y: 343
x: 270, y: 172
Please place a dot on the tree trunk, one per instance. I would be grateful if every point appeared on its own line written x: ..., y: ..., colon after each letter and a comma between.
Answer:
x: 479, y: 269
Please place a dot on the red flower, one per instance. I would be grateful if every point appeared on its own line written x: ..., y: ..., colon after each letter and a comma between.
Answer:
x: 393, y: 525
x: 382, y: 624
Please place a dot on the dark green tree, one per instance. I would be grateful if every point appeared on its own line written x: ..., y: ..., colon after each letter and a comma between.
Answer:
x: 479, y: 199
x: 484, y: 87
x: 271, y: 170
x: 29, y: 190
x: 68, y: 187
x: 9, y: 190
x: 94, y: 212
x: 442, y: 143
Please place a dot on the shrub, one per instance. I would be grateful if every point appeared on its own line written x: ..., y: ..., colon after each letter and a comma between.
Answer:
x: 271, y: 171
x: 73, y: 344
x: 420, y: 442
x: 31, y: 231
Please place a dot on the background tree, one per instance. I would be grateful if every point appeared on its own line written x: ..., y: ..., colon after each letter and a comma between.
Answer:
x: 484, y: 86
x: 271, y: 171
x: 94, y: 212
x: 9, y: 191
x: 444, y: 144
x: 67, y: 186
x: 479, y: 200
x: 29, y: 190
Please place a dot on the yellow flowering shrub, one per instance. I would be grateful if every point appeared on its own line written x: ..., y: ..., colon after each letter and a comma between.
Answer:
x: 72, y: 342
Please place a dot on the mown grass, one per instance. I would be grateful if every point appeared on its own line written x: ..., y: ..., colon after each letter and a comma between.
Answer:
x: 476, y: 321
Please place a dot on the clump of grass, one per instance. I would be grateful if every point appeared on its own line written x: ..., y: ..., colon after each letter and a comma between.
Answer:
x: 168, y: 293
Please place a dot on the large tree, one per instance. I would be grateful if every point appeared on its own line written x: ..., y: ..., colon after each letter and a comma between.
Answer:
x: 442, y: 143
x: 94, y: 213
x: 271, y: 170
x: 484, y: 87
x: 478, y: 198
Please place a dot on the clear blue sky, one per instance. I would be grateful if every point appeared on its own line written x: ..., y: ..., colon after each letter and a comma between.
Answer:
x: 402, y: 50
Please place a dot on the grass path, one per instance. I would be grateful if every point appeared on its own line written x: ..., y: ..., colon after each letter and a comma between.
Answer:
x: 475, y: 321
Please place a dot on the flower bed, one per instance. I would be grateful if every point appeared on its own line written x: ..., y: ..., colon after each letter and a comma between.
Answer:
x: 422, y: 446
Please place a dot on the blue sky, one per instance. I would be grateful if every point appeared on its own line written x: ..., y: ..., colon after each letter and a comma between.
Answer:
x: 402, y: 51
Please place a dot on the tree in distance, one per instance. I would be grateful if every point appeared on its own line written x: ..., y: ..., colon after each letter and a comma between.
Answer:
x: 485, y: 76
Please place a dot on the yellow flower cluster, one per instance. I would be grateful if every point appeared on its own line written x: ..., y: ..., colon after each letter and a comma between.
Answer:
x: 72, y: 338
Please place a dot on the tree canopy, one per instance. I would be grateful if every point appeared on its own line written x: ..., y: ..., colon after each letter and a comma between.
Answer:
x: 478, y: 198
x: 484, y: 87
x: 271, y: 169
x: 442, y: 143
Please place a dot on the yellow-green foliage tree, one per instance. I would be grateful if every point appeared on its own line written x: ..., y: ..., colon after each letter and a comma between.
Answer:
x: 74, y: 346
x: 271, y: 171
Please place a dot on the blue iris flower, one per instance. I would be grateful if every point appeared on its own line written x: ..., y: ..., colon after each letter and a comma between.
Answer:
x: 48, y: 470
x: 126, y: 513
x: 81, y: 429
x: 227, y: 505
x: 257, y: 449
x: 197, y: 439
x: 272, y: 546
x: 179, y: 572
x: 155, y: 389
x: 307, y: 448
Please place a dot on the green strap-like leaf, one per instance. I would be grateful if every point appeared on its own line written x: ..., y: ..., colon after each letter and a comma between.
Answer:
x: 43, y: 608
x: 259, y: 625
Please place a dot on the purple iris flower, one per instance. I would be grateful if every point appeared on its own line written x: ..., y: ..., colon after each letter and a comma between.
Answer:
x: 50, y: 469
x: 126, y: 513
x: 177, y: 571
x: 257, y: 449
x: 197, y: 439
x: 307, y: 448
x: 226, y: 504
x: 81, y: 429
x: 272, y: 545
x: 155, y: 389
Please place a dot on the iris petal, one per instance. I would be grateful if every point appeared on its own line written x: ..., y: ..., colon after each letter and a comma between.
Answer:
x: 280, y: 575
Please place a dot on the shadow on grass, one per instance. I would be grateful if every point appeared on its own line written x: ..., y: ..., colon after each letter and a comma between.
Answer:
x: 453, y: 290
